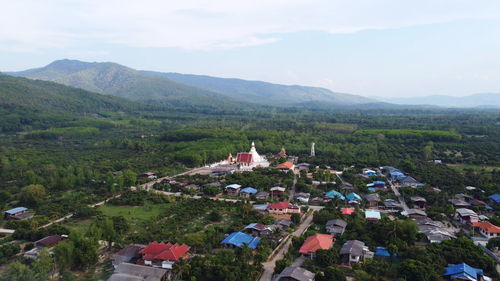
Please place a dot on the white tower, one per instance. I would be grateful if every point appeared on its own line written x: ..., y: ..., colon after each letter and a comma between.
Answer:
x: 313, y: 153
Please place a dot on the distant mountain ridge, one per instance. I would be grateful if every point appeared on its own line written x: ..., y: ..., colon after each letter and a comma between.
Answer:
x: 486, y: 100
x: 118, y: 80
x: 182, y: 89
x: 265, y: 92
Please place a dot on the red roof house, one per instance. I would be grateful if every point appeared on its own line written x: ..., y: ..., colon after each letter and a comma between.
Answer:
x: 286, y: 166
x: 347, y: 211
x: 316, y: 242
x: 487, y: 229
x: 164, y: 255
x: 283, y: 207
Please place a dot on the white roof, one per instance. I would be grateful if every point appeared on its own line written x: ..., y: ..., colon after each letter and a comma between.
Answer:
x: 234, y: 185
x: 463, y: 212
x: 278, y: 188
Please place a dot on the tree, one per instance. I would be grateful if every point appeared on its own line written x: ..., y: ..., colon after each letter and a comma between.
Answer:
x: 43, y: 265
x: 214, y: 216
x: 413, y: 270
x: 326, y: 258
x: 296, y: 218
x: 331, y: 273
x: 64, y: 255
x: 120, y: 224
x: 281, y: 264
x: 17, y: 271
x: 493, y: 244
x: 33, y: 195
x: 108, y: 231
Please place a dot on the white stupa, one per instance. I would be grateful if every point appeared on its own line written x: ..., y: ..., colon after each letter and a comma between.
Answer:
x: 251, y: 159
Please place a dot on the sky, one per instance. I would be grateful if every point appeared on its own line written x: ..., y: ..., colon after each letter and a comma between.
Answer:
x: 390, y: 48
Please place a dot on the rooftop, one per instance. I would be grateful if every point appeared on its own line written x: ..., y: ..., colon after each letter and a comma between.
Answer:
x: 16, y: 210
x: 238, y: 239
x: 316, y: 242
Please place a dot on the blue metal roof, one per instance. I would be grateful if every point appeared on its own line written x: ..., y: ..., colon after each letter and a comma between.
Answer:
x: 378, y: 182
x: 382, y: 252
x: 353, y: 196
x: 238, y: 239
x: 16, y: 210
x: 334, y: 194
x: 249, y: 190
x: 371, y: 214
x: 495, y: 197
x: 462, y: 270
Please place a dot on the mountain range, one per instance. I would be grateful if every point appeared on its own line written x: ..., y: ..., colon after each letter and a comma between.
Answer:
x: 488, y: 100
x: 200, y: 91
x: 178, y: 89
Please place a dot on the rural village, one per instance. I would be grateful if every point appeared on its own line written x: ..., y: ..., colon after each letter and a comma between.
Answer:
x: 300, y: 222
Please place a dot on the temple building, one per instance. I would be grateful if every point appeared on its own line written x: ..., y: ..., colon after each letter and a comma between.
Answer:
x: 251, y: 159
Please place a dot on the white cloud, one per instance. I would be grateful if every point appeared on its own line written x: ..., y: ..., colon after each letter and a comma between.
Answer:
x: 211, y: 24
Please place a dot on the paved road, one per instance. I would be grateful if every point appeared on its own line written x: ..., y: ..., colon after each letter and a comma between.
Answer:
x: 269, y: 265
x: 400, y: 197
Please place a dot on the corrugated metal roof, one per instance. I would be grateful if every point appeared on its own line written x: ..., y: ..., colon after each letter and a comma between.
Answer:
x: 16, y: 210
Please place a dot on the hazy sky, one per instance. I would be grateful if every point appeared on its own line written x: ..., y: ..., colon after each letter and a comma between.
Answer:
x: 374, y: 48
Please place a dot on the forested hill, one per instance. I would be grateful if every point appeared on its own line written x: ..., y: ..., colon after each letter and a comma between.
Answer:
x: 266, y: 93
x: 118, y: 80
x: 42, y: 96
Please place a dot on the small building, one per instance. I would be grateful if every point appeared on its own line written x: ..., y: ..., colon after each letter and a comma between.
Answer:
x: 347, y: 186
x: 347, y: 211
x: 463, y: 271
x: 18, y: 213
x: 283, y: 207
x: 233, y: 189
x: 302, y: 167
x: 372, y: 215
x: 247, y: 191
x: 418, y: 202
x: 333, y: 194
x: 408, y: 182
x: 383, y: 253
x: 262, y: 195
x: 294, y: 273
x: 134, y: 272
x: 353, y: 198
x: 373, y: 199
x: 277, y: 191
x: 281, y: 154
x: 316, y: 242
x: 416, y: 214
x: 494, y: 199
x: 258, y: 229
x: 48, y: 241
x: 459, y: 203
x: 284, y: 224
x: 466, y: 216
x: 336, y: 226
x: 302, y: 197
x: 487, y: 229
x: 164, y: 255
x: 354, y: 251
x: 316, y: 200
x: 477, y: 202
x: 149, y: 176
x: 379, y: 184
x: 129, y: 254
x: 238, y: 239
x: 392, y: 204
x: 286, y: 166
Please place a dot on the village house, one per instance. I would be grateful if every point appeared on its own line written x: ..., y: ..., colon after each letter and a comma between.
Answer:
x: 463, y: 271
x: 408, y: 182
x: 284, y: 224
x: 18, y: 213
x: 459, y: 203
x: 262, y: 195
x: 494, y: 199
x: 347, y: 186
x: 302, y: 197
x: 372, y: 215
x: 466, y: 216
x: 247, y: 191
x: 239, y: 239
x: 354, y: 251
x: 392, y: 204
x: 302, y: 167
x: 336, y: 226
x: 281, y: 154
x: 233, y: 189
x: 283, y: 207
x: 418, y: 202
x: 294, y: 273
x: 260, y: 230
x: 316, y: 201
x: 316, y: 242
x: 286, y: 166
x: 353, y: 198
x: 129, y: 254
x: 149, y: 176
x: 164, y: 255
x: 347, y: 211
x: 487, y: 229
x: 416, y: 214
x: 46, y: 242
x: 435, y: 231
x: 277, y: 191
x: 373, y: 199
x: 133, y: 272
x: 333, y: 194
